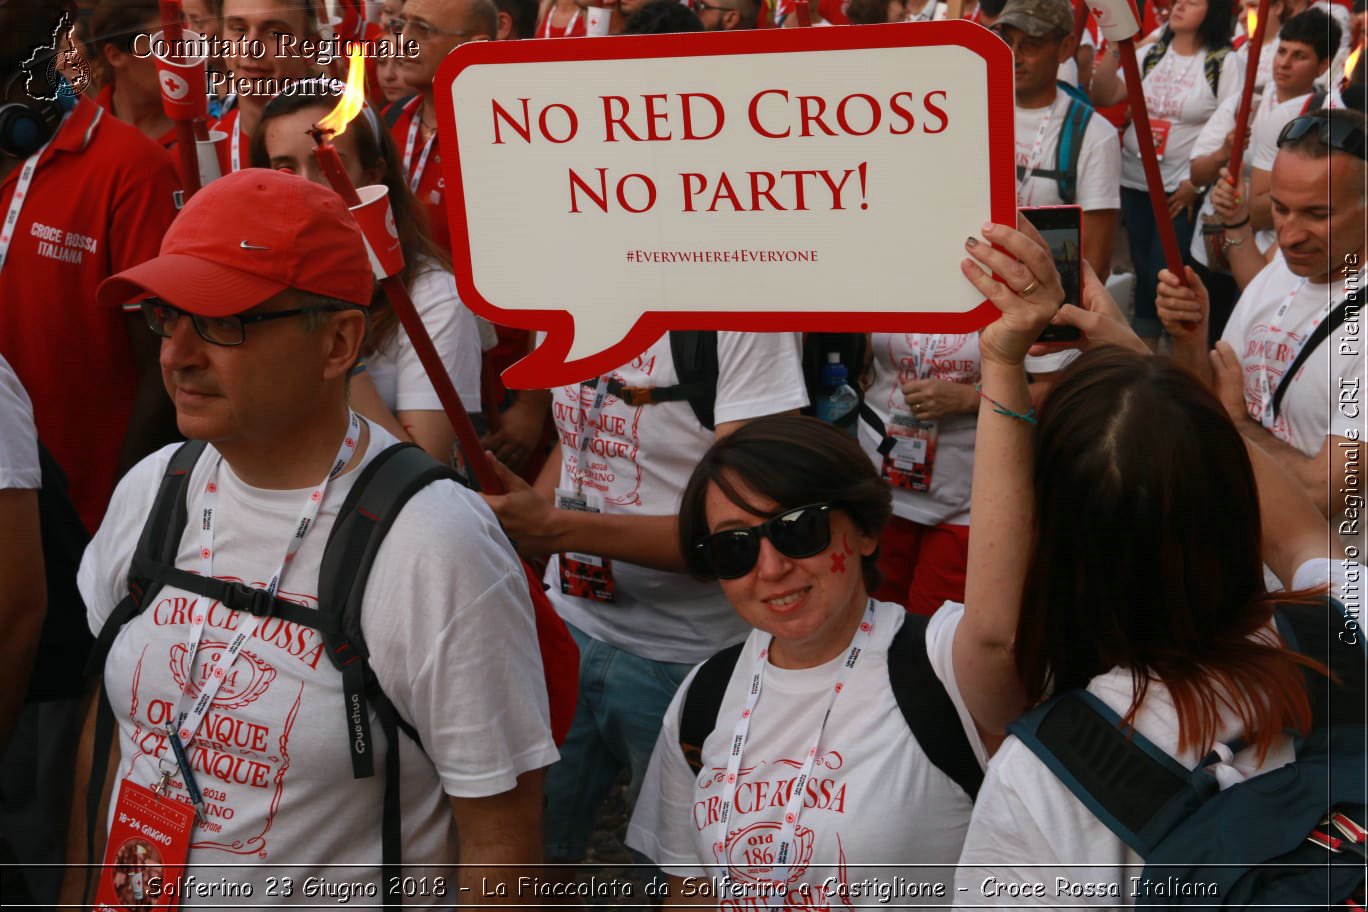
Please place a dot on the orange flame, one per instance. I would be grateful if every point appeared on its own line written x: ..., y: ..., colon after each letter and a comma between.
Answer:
x: 1251, y: 21
x: 353, y: 98
x: 1352, y: 61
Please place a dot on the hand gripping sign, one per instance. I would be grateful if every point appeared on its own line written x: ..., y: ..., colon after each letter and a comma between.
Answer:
x: 808, y: 179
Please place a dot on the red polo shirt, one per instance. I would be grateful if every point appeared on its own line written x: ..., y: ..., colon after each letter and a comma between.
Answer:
x: 106, y: 100
x: 100, y: 200
x: 431, y: 186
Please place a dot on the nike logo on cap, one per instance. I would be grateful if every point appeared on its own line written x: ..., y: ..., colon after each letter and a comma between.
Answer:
x: 246, y: 246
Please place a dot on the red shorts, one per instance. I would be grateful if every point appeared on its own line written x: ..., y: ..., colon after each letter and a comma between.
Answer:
x: 922, y: 566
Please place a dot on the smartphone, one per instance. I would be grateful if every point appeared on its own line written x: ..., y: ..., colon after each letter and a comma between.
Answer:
x: 1062, y: 228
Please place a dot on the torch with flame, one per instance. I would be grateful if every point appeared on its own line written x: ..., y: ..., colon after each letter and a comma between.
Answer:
x: 1251, y: 21
x: 377, y: 238
x: 1258, y: 24
x: 1351, y: 62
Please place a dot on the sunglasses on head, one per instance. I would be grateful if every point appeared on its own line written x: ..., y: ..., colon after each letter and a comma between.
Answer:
x: 1340, y: 135
x: 797, y: 533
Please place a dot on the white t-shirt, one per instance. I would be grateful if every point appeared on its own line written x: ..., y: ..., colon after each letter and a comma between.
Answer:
x: 395, y: 370
x: 453, y: 644
x: 897, y: 358
x: 1209, y: 140
x: 1266, y: 58
x: 1263, y: 146
x: 639, y: 460
x: 18, y: 438
x: 1266, y: 345
x: 866, y: 759
x: 1099, y: 159
x: 1028, y: 828
x: 1176, y: 90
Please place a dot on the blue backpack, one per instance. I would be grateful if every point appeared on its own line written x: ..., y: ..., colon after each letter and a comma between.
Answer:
x: 1291, y: 839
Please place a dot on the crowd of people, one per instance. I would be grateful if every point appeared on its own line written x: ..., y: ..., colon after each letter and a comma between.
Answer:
x: 256, y: 601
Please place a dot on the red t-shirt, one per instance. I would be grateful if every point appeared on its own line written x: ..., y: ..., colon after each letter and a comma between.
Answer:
x: 106, y: 100
x: 100, y: 200
x: 423, y: 167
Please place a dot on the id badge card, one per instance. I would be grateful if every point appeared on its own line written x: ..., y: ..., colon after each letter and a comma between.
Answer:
x: 586, y: 576
x: 907, y: 465
x: 149, y: 842
x: 1159, y: 129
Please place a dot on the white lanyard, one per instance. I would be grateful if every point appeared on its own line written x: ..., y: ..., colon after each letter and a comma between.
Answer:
x: 236, y: 145
x: 21, y: 190
x: 568, y: 29
x: 783, y: 849
x: 416, y: 171
x: 1033, y: 161
x: 923, y: 347
x: 587, y: 429
x: 1266, y: 416
x: 189, y: 720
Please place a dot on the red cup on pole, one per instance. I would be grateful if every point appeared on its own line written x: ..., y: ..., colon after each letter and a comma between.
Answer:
x: 183, y: 78
x: 376, y: 218
x: 213, y: 156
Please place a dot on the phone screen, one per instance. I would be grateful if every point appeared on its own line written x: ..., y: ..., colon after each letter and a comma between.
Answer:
x: 1062, y: 229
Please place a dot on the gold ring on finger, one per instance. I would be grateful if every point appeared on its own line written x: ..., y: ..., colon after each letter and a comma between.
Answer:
x: 1035, y: 283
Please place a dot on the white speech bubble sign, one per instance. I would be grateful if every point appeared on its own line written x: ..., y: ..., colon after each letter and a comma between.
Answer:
x: 817, y: 179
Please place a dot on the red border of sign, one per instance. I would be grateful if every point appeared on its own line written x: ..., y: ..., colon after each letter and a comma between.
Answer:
x: 545, y: 367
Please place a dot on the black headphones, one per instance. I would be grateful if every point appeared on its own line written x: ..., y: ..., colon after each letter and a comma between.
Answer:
x: 26, y: 124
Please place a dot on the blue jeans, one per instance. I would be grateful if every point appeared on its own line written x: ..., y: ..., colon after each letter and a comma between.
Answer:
x: 622, y: 700
x: 1148, y: 255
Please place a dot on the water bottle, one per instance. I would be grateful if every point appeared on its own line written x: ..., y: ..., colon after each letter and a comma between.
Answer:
x: 837, y: 401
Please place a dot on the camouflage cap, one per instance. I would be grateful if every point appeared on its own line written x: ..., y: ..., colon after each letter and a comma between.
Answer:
x: 1038, y: 18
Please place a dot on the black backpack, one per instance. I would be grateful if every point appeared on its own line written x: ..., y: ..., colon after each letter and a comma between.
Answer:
x: 921, y: 696
x: 1256, y: 841
x: 379, y: 494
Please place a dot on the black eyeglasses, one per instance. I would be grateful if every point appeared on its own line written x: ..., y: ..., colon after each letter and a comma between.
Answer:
x: 1341, y: 135
x: 803, y: 532
x: 228, y: 331
x: 699, y: 7
x: 421, y: 30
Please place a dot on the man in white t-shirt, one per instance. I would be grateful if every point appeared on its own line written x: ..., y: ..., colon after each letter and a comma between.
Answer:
x: 1087, y: 171
x: 1306, y: 46
x: 1312, y: 423
x: 605, y: 509
x: 261, y: 321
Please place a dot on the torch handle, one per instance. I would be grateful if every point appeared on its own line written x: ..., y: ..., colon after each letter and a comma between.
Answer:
x: 1135, y: 94
x: 186, y: 133
x: 1247, y: 95
x: 466, y: 437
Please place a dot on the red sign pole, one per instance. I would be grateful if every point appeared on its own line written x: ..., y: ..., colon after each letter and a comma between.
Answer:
x: 1247, y: 95
x: 185, y: 130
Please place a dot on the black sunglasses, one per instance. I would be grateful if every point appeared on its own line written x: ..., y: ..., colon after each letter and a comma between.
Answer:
x: 227, y: 331
x: 798, y: 533
x: 1340, y: 135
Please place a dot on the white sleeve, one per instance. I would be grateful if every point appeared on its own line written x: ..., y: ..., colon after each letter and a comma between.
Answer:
x: 1099, y: 167
x: 103, y: 577
x: 758, y: 374
x: 1232, y: 79
x: 453, y: 642
x: 662, y: 824
x: 940, y: 649
x: 456, y: 336
x: 1215, y: 129
x: 1263, y: 135
x: 19, y: 466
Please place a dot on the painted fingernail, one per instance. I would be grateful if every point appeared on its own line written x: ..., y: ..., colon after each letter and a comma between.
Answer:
x: 970, y: 242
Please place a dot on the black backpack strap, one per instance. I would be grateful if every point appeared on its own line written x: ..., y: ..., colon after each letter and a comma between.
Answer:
x: 928, y: 709
x: 695, y: 359
x: 1332, y: 322
x: 1156, y: 53
x: 1137, y: 790
x: 1215, y: 60
x: 1313, y: 628
x: 395, y: 110
x: 703, y: 699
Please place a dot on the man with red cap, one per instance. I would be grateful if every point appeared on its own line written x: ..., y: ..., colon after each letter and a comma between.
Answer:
x: 260, y: 297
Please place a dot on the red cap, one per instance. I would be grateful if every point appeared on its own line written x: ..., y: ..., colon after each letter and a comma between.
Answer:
x: 247, y: 237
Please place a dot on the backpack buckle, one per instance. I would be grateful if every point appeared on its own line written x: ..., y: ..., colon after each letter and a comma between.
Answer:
x: 637, y: 395
x: 256, y: 602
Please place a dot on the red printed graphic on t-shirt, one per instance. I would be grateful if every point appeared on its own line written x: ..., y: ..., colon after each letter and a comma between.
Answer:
x: 1268, y: 352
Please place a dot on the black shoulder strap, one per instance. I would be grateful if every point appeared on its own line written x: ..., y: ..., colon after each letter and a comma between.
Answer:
x: 695, y: 359
x: 926, y: 706
x: 395, y: 110
x: 1156, y: 53
x: 1313, y: 628
x: 1132, y: 786
x: 698, y: 716
x: 1332, y: 322
x: 1212, y: 65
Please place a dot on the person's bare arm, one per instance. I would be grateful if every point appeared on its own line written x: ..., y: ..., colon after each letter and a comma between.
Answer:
x: 1241, y: 250
x: 1099, y: 236
x: 500, y: 841
x: 23, y: 599
x: 1107, y: 87
x: 1184, y: 310
x: 74, y: 877
x: 1294, y: 532
x: 152, y: 423
x: 520, y: 428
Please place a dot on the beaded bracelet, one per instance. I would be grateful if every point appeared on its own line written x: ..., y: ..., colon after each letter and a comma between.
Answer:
x: 1239, y: 224
x: 1029, y: 417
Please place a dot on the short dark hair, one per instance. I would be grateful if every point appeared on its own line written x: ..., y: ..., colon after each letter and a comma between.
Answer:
x: 992, y: 8
x: 1312, y: 145
x: 662, y: 17
x: 118, y: 22
x: 793, y: 461
x: 1313, y: 27
x: 524, y: 16
x: 867, y: 12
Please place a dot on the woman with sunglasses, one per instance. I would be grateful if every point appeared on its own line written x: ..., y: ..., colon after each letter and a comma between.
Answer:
x: 786, y: 513
x: 391, y: 387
